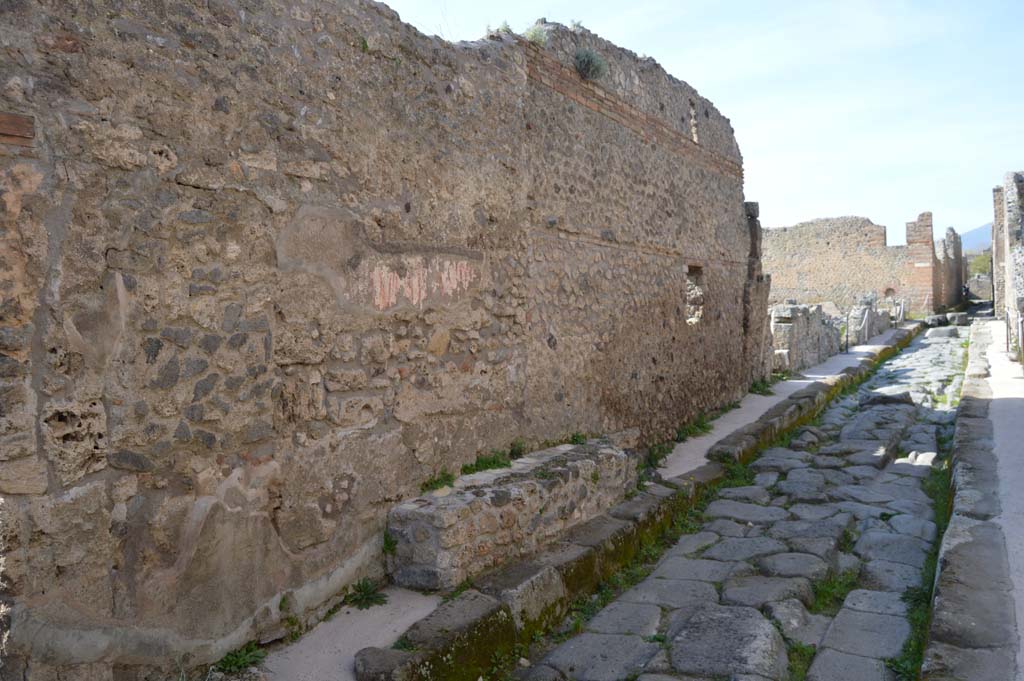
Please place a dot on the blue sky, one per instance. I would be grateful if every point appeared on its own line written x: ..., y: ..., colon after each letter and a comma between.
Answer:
x: 862, y: 107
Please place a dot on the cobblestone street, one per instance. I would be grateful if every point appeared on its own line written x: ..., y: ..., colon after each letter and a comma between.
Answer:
x: 819, y: 555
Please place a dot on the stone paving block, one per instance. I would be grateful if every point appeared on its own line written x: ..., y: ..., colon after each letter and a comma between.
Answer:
x: 914, y: 527
x: 745, y: 513
x: 769, y: 464
x: 832, y: 665
x: 861, y: 472
x: 830, y: 527
x: 601, y: 657
x: 766, y: 479
x: 868, y: 634
x: 640, y: 619
x: 726, y: 528
x: 813, y: 511
x: 751, y: 493
x: 881, y: 602
x: 822, y: 547
x: 755, y: 591
x: 689, y: 544
x: 728, y: 642
x: 913, y: 508
x: 793, y: 565
x: 798, y: 624
x: 671, y: 593
x: 744, y: 548
x: 677, y: 567
x: 861, y: 511
x: 847, y: 562
x: 859, y: 493
x: 884, y: 575
x: 971, y: 617
x: 897, y: 548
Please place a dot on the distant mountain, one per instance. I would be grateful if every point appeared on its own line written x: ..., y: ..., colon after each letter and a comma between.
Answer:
x: 978, y: 239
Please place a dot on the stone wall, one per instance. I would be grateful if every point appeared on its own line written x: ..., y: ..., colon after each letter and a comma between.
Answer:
x: 950, y: 269
x: 802, y: 336
x: 446, y: 537
x: 843, y: 259
x: 1008, y: 253
x: 267, y: 268
x: 979, y: 287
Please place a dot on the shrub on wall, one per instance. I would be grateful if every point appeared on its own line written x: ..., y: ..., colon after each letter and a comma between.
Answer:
x: 589, y: 64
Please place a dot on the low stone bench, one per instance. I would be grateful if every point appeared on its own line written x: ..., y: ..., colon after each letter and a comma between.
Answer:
x: 488, y: 518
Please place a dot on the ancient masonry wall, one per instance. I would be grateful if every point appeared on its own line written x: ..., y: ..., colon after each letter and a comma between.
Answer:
x: 802, y: 336
x: 1008, y: 252
x: 841, y: 260
x: 268, y: 267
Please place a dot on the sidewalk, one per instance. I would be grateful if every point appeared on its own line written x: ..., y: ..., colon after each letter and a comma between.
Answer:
x: 688, y: 455
x: 1006, y: 412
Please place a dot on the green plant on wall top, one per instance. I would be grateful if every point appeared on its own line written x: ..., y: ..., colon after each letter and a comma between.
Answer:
x: 589, y: 64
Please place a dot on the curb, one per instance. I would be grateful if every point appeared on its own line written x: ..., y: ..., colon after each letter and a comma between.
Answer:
x: 460, y: 640
x: 973, y: 632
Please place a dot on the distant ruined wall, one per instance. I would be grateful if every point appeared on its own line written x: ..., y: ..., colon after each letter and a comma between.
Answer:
x: 843, y: 259
x: 802, y: 336
x: 1008, y: 253
x: 268, y: 267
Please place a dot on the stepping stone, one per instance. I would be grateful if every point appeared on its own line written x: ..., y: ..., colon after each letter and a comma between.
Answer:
x: 639, y: 619
x: 744, y: 549
x: 814, y: 511
x: 726, y: 528
x: 859, y: 493
x: 881, y: 602
x: 793, y: 565
x: 884, y: 575
x: 797, y: 623
x: 671, y: 593
x: 832, y: 665
x: 746, y: 513
x: 692, y: 543
x: 830, y: 527
x: 724, y: 642
x: 601, y: 657
x: 677, y: 567
x: 755, y: 591
x: 822, y: 547
x: 914, y: 527
x: 751, y: 493
x: 897, y: 548
x: 869, y: 634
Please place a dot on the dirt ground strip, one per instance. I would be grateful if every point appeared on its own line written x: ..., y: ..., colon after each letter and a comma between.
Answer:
x: 809, y: 563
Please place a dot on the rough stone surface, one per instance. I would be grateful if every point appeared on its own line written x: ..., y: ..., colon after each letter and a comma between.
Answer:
x: 755, y: 591
x: 728, y: 642
x: 302, y: 258
x: 601, y: 657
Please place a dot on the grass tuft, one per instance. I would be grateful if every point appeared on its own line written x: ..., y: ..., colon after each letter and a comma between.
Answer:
x: 496, y: 459
x: 442, y: 479
x: 830, y: 592
x: 365, y: 594
x: 239, y: 660
x: 800, y: 657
